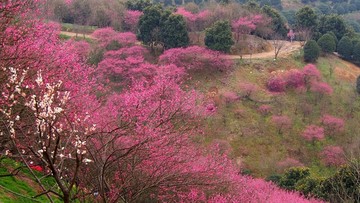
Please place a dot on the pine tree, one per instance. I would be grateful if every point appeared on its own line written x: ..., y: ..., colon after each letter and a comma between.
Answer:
x: 219, y: 36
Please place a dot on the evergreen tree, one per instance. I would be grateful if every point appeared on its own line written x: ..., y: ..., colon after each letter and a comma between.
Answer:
x: 149, y: 24
x: 278, y: 22
x: 306, y: 18
x: 327, y: 43
x: 174, y: 33
x: 158, y: 26
x: 334, y: 23
x: 311, y: 51
x: 356, y: 52
x: 219, y: 36
x: 345, y: 47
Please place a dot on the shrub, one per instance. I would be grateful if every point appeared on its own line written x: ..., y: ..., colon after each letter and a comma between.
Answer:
x: 292, y: 176
x: 356, y: 52
x: 327, y: 43
x: 345, y: 47
x: 343, y: 186
x: 311, y: 51
x: 276, y: 84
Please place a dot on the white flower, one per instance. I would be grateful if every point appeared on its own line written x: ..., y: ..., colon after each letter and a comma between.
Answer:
x: 87, y: 160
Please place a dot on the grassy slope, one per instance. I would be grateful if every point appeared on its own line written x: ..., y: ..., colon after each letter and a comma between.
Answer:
x: 255, y: 142
x: 22, y: 187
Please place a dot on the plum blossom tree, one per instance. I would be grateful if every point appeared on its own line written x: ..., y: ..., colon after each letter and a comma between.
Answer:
x: 332, y: 124
x: 322, y: 88
x: 245, y: 25
x: 131, y: 19
x: 196, y: 22
x: 45, y: 86
x: 247, y: 89
x: 276, y: 83
x: 313, y: 132
x: 282, y: 122
x: 106, y: 36
x: 265, y: 109
x: 333, y: 156
x: 119, y: 66
x: 195, y: 58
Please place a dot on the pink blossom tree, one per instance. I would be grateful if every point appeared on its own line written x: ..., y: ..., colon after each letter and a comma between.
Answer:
x: 313, y: 132
x: 196, y: 22
x: 332, y: 124
x: 295, y: 78
x: 230, y: 97
x: 281, y: 122
x: 276, y: 83
x: 247, y: 89
x: 106, y: 36
x: 195, y: 58
x: 333, y: 156
x: 45, y: 90
x: 322, y: 88
x: 245, y: 25
x: 131, y: 19
x: 265, y: 109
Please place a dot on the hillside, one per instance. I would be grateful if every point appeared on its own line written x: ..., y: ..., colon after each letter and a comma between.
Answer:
x: 132, y: 101
x: 254, y: 140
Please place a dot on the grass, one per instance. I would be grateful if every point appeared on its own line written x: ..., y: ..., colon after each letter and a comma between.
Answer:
x: 255, y: 141
x: 80, y: 28
x: 22, y: 187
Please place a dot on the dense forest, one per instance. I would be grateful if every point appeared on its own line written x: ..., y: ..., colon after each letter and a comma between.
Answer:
x: 179, y: 101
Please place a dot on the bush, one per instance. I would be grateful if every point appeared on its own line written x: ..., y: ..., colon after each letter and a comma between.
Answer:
x: 292, y: 176
x: 219, y: 36
x: 345, y: 47
x: 327, y: 43
x: 311, y: 51
x: 356, y: 52
x: 342, y: 186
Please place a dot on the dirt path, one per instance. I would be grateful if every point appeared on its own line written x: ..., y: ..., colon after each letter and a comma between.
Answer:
x: 73, y: 34
x: 289, y: 47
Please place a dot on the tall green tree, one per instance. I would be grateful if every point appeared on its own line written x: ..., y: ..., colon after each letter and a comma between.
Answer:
x: 138, y: 5
x: 356, y: 52
x: 311, y: 51
x: 306, y: 18
x: 334, y: 23
x: 219, y: 37
x: 174, y: 32
x: 149, y: 25
x: 327, y: 43
x: 277, y: 21
x: 345, y: 47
